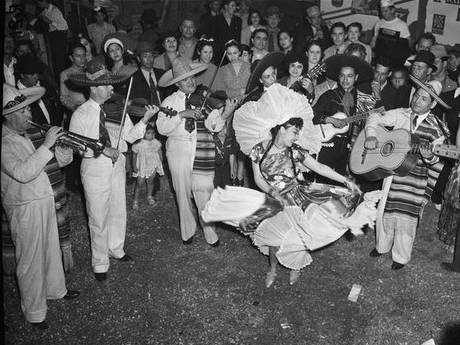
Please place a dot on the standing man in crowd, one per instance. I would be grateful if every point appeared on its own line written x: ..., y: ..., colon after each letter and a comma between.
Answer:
x: 338, y: 36
x: 28, y: 201
x: 190, y: 148
x: 348, y: 71
x: 404, y: 197
x: 104, y: 176
x: 313, y: 27
x: 382, y: 90
x: 57, y: 34
x: 187, y: 41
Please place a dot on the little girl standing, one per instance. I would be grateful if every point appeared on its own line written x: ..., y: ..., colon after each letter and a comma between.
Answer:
x: 146, y: 164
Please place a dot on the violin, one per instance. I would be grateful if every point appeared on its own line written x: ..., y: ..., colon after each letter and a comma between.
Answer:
x: 206, y: 100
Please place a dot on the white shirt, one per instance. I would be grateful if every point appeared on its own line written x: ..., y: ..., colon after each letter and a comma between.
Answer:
x: 394, y: 25
x: 40, y: 102
x: 457, y: 92
x: 85, y: 121
x: 54, y: 14
x: 175, y: 126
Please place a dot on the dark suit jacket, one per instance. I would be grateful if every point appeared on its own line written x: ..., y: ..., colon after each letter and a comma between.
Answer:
x: 387, y: 97
x: 222, y: 33
x: 304, y: 32
x: 141, y: 89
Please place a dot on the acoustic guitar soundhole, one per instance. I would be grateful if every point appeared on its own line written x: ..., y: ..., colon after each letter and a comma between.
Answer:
x: 387, y: 149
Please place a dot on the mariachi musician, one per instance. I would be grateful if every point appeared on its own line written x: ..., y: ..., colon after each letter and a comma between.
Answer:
x: 190, y: 148
x: 405, y: 197
x: 103, y: 176
x: 347, y: 99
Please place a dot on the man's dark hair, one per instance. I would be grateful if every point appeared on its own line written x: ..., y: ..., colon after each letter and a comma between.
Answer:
x: 338, y: 25
x: 427, y: 36
x: 355, y: 25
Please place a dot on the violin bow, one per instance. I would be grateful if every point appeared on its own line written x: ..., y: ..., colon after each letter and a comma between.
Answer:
x: 214, y: 78
x: 123, y: 117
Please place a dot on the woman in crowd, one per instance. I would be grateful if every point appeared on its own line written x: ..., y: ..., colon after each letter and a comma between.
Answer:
x: 255, y: 21
x: 204, y: 53
x: 170, y: 46
x: 99, y: 28
x: 353, y: 35
x: 321, y: 84
x: 295, y: 80
x: 285, y: 41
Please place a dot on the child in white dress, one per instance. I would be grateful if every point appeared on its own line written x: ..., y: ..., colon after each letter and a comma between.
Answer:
x: 146, y: 164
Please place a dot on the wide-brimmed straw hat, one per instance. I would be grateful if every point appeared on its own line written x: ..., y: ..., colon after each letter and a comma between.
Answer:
x: 14, y: 99
x: 97, y: 74
x: 181, y: 69
x: 271, y: 59
x: 361, y: 67
x: 433, y: 87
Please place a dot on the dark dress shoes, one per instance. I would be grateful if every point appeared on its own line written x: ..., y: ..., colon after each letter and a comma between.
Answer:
x: 189, y: 241
x: 125, y: 258
x: 396, y: 265
x: 71, y: 294
x: 40, y: 325
x: 100, y: 276
x: 349, y: 236
x: 374, y: 253
x: 215, y: 244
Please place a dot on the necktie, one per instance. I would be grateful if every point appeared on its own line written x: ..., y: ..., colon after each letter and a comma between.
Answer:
x: 414, y: 122
x: 189, y: 123
x: 103, y: 134
x: 348, y: 102
x: 153, y: 89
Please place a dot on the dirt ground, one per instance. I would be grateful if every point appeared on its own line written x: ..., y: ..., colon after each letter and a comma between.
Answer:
x: 200, y: 295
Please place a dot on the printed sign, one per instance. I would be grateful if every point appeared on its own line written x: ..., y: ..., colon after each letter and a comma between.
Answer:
x: 453, y: 2
x: 439, y: 22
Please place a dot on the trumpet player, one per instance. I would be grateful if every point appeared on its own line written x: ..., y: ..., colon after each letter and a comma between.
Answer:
x: 103, y: 176
x: 28, y: 200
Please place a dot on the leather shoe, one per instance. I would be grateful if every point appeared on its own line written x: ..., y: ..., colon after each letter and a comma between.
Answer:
x: 270, y: 279
x: 374, y: 253
x: 294, y: 276
x: 187, y: 242
x: 125, y: 258
x: 215, y: 244
x: 40, y: 325
x: 101, y: 276
x: 396, y: 265
x: 71, y: 294
x: 349, y: 236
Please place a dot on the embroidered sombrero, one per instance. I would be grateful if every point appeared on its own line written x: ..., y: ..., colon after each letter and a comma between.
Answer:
x: 14, y: 99
x: 361, y: 67
x: 433, y: 87
x: 97, y: 74
x: 181, y: 69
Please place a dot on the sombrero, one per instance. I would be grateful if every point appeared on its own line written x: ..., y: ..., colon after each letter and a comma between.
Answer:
x: 336, y: 62
x: 181, y: 69
x: 271, y: 59
x: 426, y: 57
x: 433, y: 87
x: 14, y: 99
x: 97, y: 74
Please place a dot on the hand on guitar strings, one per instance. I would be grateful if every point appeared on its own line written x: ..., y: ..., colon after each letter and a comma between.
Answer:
x: 371, y: 143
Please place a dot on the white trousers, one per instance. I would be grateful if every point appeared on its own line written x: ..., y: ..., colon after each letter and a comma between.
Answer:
x: 38, y: 255
x: 397, y: 235
x: 180, y: 156
x: 104, y: 185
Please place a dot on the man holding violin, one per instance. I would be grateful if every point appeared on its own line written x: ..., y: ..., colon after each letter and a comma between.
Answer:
x: 190, y: 147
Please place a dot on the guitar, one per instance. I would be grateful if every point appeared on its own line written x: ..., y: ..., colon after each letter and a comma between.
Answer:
x: 397, y: 154
x: 328, y: 131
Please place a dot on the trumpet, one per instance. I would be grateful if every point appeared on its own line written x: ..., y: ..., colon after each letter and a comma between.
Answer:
x: 77, y: 142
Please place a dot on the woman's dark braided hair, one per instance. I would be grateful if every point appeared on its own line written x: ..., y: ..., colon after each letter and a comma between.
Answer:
x: 292, y: 122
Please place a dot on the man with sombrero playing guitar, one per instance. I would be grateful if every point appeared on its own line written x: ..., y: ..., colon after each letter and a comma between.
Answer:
x: 405, y: 197
x: 104, y: 177
x: 336, y: 106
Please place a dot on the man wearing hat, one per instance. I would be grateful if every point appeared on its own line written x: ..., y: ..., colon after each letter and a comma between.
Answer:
x: 422, y: 66
x: 104, y: 176
x: 28, y: 201
x: 404, y: 197
x: 346, y: 99
x: 190, y: 147
x: 145, y: 83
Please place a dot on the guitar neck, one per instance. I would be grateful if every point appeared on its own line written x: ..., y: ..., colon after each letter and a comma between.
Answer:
x: 449, y: 151
x: 363, y: 115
